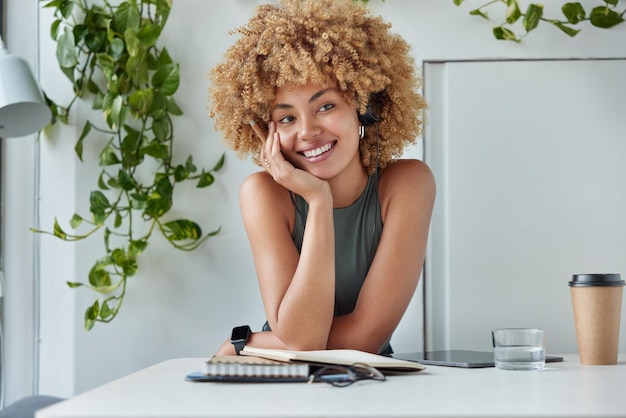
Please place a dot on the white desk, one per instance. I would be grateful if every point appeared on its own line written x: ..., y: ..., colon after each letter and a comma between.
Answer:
x: 562, y: 389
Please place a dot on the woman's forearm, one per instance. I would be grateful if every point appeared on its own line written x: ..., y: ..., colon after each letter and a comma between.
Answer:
x: 305, y: 314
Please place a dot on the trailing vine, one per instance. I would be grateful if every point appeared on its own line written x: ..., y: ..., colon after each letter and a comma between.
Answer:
x: 602, y: 16
x: 108, y: 50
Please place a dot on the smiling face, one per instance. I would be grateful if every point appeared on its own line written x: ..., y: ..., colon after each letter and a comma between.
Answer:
x: 318, y: 128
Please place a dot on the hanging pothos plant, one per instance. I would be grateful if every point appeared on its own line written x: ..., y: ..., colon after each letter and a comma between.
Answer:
x: 109, y: 52
x: 604, y: 16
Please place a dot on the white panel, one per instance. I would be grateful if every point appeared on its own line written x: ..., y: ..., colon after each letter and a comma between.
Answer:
x: 528, y: 157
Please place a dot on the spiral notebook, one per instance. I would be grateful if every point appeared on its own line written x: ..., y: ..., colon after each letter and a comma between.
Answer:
x: 249, y: 369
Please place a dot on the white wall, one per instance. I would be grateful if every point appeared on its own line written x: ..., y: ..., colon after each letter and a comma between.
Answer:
x: 184, y: 304
x: 17, y: 243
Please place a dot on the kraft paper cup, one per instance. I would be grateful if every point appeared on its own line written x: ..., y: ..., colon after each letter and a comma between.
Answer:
x: 597, y: 303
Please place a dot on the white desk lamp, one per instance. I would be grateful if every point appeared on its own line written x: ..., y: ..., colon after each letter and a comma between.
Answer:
x: 23, y: 110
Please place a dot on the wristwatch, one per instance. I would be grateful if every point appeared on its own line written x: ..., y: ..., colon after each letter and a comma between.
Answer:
x: 239, y: 337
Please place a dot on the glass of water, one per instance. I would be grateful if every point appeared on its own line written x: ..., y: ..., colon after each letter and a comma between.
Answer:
x: 519, y: 348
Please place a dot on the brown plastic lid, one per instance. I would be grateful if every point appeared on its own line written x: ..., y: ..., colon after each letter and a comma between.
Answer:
x: 582, y: 280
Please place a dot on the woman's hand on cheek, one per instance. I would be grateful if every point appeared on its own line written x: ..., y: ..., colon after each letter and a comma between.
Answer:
x: 283, y: 171
x: 271, y: 155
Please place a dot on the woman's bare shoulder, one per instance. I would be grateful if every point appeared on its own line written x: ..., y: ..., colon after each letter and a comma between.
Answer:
x: 260, y: 193
x: 406, y: 187
x: 404, y: 173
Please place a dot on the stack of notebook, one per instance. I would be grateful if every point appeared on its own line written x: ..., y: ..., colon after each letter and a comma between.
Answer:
x: 270, y: 365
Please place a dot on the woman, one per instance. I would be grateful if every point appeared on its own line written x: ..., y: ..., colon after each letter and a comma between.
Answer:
x: 338, y: 94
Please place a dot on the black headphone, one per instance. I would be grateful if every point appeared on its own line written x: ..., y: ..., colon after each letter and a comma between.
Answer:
x: 369, y: 117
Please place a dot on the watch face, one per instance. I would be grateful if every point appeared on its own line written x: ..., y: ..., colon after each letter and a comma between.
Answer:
x: 240, y: 333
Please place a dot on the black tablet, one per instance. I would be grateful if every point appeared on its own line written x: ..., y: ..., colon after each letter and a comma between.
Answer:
x: 457, y: 358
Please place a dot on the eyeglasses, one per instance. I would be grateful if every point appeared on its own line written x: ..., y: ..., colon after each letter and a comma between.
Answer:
x: 342, y: 376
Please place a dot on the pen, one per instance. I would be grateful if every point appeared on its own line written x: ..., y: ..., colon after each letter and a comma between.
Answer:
x: 258, y: 130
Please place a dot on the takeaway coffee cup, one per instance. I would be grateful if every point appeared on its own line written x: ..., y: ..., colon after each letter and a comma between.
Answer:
x: 597, y: 303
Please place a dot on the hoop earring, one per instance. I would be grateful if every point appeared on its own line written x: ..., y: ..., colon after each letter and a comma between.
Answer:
x: 361, y: 131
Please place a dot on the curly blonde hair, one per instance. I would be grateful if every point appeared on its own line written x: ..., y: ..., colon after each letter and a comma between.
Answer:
x: 327, y: 42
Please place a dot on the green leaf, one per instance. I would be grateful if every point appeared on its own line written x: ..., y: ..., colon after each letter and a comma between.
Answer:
x: 180, y: 173
x: 105, y: 310
x: 76, y: 221
x: 80, y: 30
x: 127, y: 262
x: 114, y: 183
x: 133, y: 46
x: 157, y: 206
x: 107, y: 66
x: 108, y: 156
x: 190, y: 166
x: 66, y: 50
x: 101, y: 183
x: 505, y: 34
x: 603, y: 17
x: 69, y: 73
x: 568, y: 30
x: 74, y: 284
x: 163, y: 185
x: 206, y: 179
x: 137, y: 247
x: 126, y: 180
x: 118, y: 219
x: 534, y: 12
x: 138, y: 200
x: 164, y: 57
x: 182, y: 229
x: 574, y: 12
x: 513, y: 12
x: 95, y: 41
x: 114, y: 112
x: 130, y: 143
x: 167, y: 79
x: 57, y: 231
x: 91, y: 314
x: 66, y: 8
x: 78, y: 148
x: 159, y: 105
x: 156, y: 150
x: 220, y: 163
x: 98, y: 203
x: 92, y: 87
x: 99, y: 277
x: 458, y: 2
x: 152, y: 60
x: 116, y: 49
x: 161, y: 129
x: 149, y: 34
x: 141, y: 101
x: 53, y: 3
x: 54, y: 29
x: 107, y: 235
x: 98, y: 101
x: 137, y: 68
x: 164, y: 7
x: 478, y: 12
x: 173, y: 108
x: 126, y: 17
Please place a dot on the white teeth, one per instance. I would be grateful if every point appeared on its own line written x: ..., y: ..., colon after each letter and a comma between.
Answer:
x: 318, y: 151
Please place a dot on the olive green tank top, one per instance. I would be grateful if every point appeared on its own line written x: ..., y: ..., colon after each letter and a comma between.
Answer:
x: 357, y: 232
